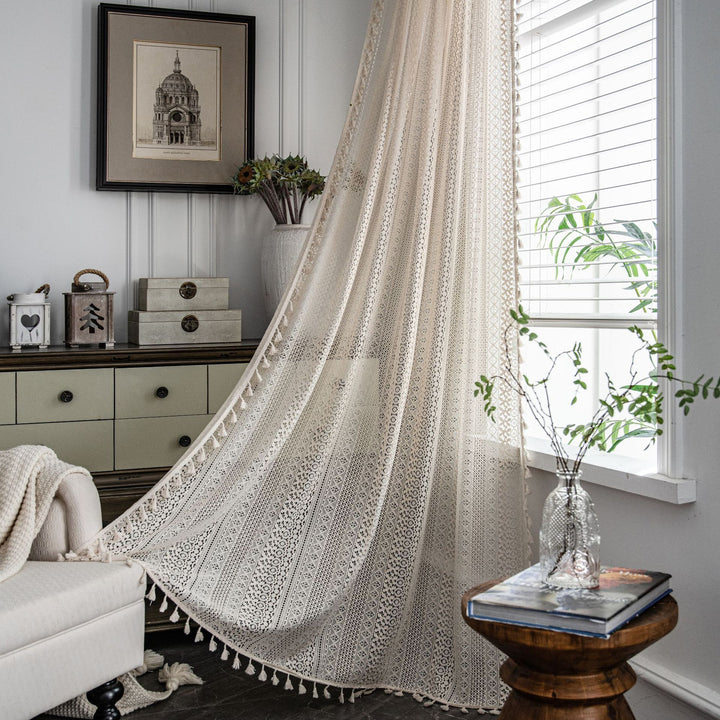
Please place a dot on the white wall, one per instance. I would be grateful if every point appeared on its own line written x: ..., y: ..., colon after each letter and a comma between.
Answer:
x: 53, y: 222
x: 684, y: 540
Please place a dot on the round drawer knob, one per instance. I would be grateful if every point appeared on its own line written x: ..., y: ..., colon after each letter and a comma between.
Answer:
x: 188, y: 290
x: 189, y: 323
x: 66, y: 396
x: 162, y: 392
x: 184, y: 441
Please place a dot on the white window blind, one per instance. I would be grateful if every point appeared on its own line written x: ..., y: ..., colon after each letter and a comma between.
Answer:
x: 587, y: 161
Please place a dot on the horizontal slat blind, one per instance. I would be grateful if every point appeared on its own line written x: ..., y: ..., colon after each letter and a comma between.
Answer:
x: 587, y: 160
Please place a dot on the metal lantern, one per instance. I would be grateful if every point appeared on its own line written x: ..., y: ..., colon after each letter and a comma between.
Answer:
x: 30, y: 319
x: 89, y: 312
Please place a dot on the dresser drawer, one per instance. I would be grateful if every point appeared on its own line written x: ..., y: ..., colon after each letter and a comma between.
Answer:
x: 64, y: 395
x: 221, y: 380
x: 7, y: 398
x: 88, y: 444
x: 154, y: 442
x: 160, y: 391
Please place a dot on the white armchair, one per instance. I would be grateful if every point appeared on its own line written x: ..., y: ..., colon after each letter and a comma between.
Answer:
x: 68, y: 627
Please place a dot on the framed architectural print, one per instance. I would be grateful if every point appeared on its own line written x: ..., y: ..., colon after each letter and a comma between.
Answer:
x: 175, y: 98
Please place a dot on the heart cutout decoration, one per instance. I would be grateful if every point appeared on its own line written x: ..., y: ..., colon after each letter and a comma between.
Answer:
x: 30, y: 321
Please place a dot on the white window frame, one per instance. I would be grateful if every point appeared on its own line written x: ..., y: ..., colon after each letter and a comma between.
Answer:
x: 604, y: 469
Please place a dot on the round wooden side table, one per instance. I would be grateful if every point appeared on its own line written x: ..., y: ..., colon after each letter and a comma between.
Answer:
x: 560, y: 676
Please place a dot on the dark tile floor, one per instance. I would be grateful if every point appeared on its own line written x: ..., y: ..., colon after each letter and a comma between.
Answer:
x: 229, y: 694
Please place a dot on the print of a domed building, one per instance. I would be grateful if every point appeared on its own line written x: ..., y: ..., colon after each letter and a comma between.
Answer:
x: 176, y: 112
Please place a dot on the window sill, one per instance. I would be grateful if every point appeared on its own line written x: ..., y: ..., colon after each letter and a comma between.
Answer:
x: 617, y: 473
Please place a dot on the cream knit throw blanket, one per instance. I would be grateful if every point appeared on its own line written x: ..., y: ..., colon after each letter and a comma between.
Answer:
x: 29, y: 477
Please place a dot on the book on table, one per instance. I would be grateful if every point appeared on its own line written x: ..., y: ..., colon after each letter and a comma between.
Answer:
x: 524, y: 599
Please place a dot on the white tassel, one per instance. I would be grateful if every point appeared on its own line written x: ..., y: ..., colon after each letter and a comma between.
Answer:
x: 186, y: 629
x: 428, y: 703
x: 288, y: 684
x: 201, y: 456
x: 222, y: 432
x: 232, y: 416
x: 199, y: 637
x: 151, y: 661
x: 190, y: 467
x: 278, y: 337
x: 258, y: 375
x: 326, y: 693
x: 175, y: 616
x: 284, y: 321
x: 301, y: 688
x: 352, y: 697
x: 398, y: 693
x: 153, y: 504
x: 215, y: 443
x: 342, y: 697
x: 464, y: 710
x: 446, y: 708
x: 164, y: 605
x: 250, y: 669
x: 225, y: 653
x: 143, y: 512
x: 243, y: 404
x: 249, y: 391
x: 315, y: 692
x: 265, y: 363
x: 213, y: 645
x: 417, y: 697
x: 178, y: 674
x: 272, y: 350
x: 262, y: 677
x: 166, y: 490
x: 274, y: 680
x: 116, y: 535
x: 236, y: 662
x: 151, y: 596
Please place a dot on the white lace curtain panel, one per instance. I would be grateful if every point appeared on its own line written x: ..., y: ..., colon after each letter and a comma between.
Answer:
x: 323, y: 528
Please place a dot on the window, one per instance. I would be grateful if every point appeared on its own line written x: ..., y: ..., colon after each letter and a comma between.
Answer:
x: 588, y: 185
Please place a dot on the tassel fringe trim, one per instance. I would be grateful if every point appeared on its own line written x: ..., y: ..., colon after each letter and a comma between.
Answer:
x: 293, y: 682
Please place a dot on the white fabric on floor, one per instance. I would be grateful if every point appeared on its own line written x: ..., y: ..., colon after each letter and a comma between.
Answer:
x: 350, y: 489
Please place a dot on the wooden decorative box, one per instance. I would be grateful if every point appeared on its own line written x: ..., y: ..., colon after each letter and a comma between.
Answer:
x: 203, y: 293
x: 179, y: 327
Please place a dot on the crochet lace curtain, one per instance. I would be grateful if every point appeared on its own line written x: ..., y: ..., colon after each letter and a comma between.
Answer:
x: 324, y: 527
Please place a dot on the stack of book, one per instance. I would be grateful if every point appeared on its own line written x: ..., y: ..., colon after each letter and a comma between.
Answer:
x: 524, y: 599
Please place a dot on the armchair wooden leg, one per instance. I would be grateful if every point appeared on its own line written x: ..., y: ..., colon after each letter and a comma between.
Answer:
x: 105, y: 697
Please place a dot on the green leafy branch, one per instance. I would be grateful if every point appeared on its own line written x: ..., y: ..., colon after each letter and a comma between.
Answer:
x: 573, y: 233
x: 630, y: 410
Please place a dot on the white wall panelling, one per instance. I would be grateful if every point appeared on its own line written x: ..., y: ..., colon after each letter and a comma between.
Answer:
x: 55, y: 223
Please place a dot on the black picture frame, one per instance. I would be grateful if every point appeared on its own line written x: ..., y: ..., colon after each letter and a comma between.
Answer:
x: 186, y: 135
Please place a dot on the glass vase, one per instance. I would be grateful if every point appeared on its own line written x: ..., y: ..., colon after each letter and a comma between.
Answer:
x: 569, y: 536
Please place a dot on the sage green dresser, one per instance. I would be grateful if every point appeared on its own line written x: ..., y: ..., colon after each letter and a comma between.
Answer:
x: 125, y: 413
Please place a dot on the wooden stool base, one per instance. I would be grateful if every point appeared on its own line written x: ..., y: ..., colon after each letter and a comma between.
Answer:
x: 524, y: 707
x: 561, y: 676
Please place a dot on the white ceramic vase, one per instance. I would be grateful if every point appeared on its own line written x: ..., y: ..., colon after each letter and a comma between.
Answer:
x: 278, y: 261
